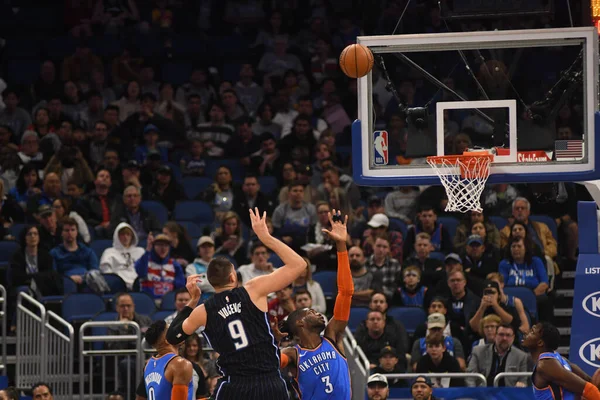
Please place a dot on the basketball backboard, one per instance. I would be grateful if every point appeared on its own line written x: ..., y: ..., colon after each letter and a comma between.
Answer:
x: 529, y: 96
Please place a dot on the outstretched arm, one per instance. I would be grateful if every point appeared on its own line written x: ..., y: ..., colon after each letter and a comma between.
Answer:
x: 552, y: 371
x: 341, y: 312
x: 191, y: 317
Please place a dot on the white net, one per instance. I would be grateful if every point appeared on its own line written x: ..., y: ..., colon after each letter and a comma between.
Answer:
x: 464, y: 179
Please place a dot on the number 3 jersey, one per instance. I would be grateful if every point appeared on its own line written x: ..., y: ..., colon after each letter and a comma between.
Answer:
x: 241, y: 334
x: 323, y: 373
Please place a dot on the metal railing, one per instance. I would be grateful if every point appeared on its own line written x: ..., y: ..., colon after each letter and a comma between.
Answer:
x: 459, y: 375
x: 60, y: 337
x: 107, y: 361
x: 358, y: 365
x: 31, y: 341
x: 3, y: 317
x: 510, y: 374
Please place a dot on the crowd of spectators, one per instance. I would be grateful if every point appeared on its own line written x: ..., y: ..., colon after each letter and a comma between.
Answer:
x: 85, y: 147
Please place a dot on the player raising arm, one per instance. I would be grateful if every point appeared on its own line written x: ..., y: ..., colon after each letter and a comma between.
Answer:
x: 553, y: 376
x: 236, y: 322
x: 318, y: 362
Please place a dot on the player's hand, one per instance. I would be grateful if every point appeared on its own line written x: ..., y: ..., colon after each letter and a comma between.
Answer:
x: 339, y: 231
x: 192, y: 286
x: 259, y: 224
x: 520, y: 385
x: 279, y: 336
x: 596, y: 378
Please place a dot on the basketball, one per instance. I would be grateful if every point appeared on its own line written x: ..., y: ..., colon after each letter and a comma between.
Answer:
x: 356, y: 60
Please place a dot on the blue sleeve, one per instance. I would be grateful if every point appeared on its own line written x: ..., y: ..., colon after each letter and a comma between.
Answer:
x: 540, y: 270
x: 179, y: 276
x: 141, y: 265
x: 93, y: 262
x: 503, y: 269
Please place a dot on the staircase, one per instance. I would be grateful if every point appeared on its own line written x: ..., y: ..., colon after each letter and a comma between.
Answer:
x: 563, y: 309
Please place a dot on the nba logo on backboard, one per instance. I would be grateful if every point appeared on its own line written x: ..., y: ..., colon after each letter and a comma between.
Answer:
x: 380, y: 145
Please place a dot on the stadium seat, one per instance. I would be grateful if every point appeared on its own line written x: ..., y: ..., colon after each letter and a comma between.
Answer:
x: 168, y: 301
x: 411, y: 317
x: 82, y: 306
x: 328, y: 282
x: 23, y: 71
x: 192, y: 229
x: 176, y: 73
x: 162, y: 314
x: 59, y: 48
x: 437, y: 255
x: 357, y: 316
x: 399, y: 226
x: 99, y: 331
x: 500, y: 222
x: 100, y: 245
x: 451, y: 224
x: 196, y: 211
x: 527, y: 297
x: 268, y: 185
x: 275, y: 260
x: 115, y: 282
x: 7, y: 248
x: 144, y: 304
x: 548, y: 221
x: 194, y: 185
x: 158, y: 209
x: 15, y: 230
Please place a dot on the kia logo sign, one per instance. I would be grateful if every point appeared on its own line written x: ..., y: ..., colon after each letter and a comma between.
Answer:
x: 591, y: 304
x: 589, y: 352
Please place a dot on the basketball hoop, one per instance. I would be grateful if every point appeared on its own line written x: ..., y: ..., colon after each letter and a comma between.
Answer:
x: 463, y: 177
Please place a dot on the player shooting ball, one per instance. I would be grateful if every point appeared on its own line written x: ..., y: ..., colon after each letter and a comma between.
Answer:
x: 317, y: 362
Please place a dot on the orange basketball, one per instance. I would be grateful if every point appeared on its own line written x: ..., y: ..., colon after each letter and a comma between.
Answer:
x: 356, y: 60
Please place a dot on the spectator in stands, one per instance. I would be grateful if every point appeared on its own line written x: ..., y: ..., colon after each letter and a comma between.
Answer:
x: 249, y: 92
x: 28, y: 185
x: 216, y: 133
x: 259, y: 255
x: 291, y: 220
x: 229, y: 238
x: 378, y: 227
x: 364, y: 282
x: 42, y: 391
x: 464, y: 302
x: 250, y: 197
x: 10, y: 164
x: 100, y: 205
x: 126, y: 313
x: 384, y: 266
x: 193, y: 114
x: 436, y: 323
x: 264, y: 122
x: 431, y: 268
x: 93, y: 111
x: 512, y: 301
x: 62, y: 208
x: 305, y: 281
x: 388, y: 364
x: 75, y: 260
x: 115, y: 396
x: 479, y: 260
x: 519, y: 230
x: 131, y: 174
x: 180, y: 243
x: 411, y: 293
x: 377, y: 387
x: 111, y: 162
x: 140, y: 220
x: 182, y: 298
x: 69, y: 163
x: 13, y: 116
x: 151, y: 136
x: 244, y: 142
x: 375, y: 337
x: 9, y: 393
x: 121, y: 257
x: 50, y: 192
x: 56, y: 112
x: 322, y: 258
x: 206, y: 252
x: 491, y: 303
x: 520, y: 268
x: 30, y: 146
x: 220, y: 194
x: 234, y: 113
x: 488, y: 328
x: 73, y: 102
x: 299, y: 144
x: 166, y: 189
x: 427, y: 222
x: 282, y: 304
x: 78, y: 67
x: 332, y: 179
x: 475, y: 223
x: 538, y: 232
x: 192, y: 351
x: 198, y: 85
x: 498, y: 357
x: 130, y: 102
x: 158, y: 272
x: 277, y: 62
x: 498, y: 199
x: 50, y: 235
x: 438, y: 360
x: 401, y: 203
x: 194, y: 163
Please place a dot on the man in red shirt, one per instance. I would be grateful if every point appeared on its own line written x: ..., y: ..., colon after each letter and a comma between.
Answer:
x: 283, y: 304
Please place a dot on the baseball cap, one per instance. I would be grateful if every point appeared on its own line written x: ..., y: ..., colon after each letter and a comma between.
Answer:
x: 421, y: 379
x: 132, y: 164
x: 204, y: 240
x: 151, y: 128
x: 162, y: 238
x: 164, y: 169
x: 377, y: 378
x: 436, y: 320
x: 452, y: 258
x: 153, y: 155
x: 379, y: 220
x: 474, y: 239
x: 488, y: 284
x: 45, y: 210
x: 388, y: 350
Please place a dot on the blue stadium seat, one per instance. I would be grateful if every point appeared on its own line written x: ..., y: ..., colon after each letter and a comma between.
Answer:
x: 500, y: 222
x: 231, y: 72
x: 237, y: 169
x: 60, y: 47
x: 357, y: 316
x: 276, y: 261
x: 548, y: 221
x: 196, y: 211
x: 168, y: 301
x: 7, y: 248
x: 161, y: 315
x: 192, y: 229
x: 106, y: 46
x: 398, y: 225
x: 268, y: 185
x: 328, y: 282
x: 194, y: 185
x: 22, y: 48
x: 437, y: 255
x: 527, y: 297
x: 98, y: 331
x: 158, y: 209
x: 176, y: 171
x: 451, y: 224
x: 144, y: 304
x: 15, y: 230
x: 115, y: 282
x: 100, y: 245
x: 411, y: 317
x: 176, y: 73
x: 82, y: 306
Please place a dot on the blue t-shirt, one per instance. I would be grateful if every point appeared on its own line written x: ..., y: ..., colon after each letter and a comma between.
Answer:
x: 523, y: 274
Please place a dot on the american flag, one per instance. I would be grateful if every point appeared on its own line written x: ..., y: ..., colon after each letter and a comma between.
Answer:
x: 568, y: 149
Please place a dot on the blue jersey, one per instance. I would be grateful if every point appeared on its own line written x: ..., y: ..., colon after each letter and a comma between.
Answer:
x: 323, y: 373
x: 413, y: 300
x: 157, y: 386
x: 552, y: 391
